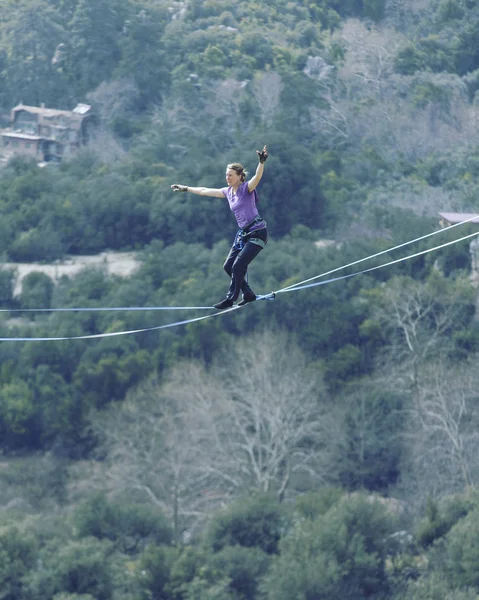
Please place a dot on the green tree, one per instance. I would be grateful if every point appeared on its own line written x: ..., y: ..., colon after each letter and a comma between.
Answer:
x: 409, y: 60
x: 129, y: 526
x: 18, y: 555
x: 441, y: 517
x: 17, y: 411
x: 37, y: 290
x: 101, y: 382
x: 341, y: 554
x: 465, y: 47
x: 108, y: 378
x: 74, y: 567
x: 449, y: 10
x: 154, y: 572
x: 242, y: 567
x: 35, y: 244
x: 367, y: 447
x: 372, y: 9
x: 143, y: 55
x: 93, y: 47
x: 258, y: 47
x: 437, y: 587
x: 290, y: 173
x: 252, y: 523
x: 55, y: 408
x: 458, y: 555
x: 32, y: 32
x: 7, y: 285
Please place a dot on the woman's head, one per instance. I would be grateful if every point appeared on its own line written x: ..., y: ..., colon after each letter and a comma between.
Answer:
x: 235, y: 173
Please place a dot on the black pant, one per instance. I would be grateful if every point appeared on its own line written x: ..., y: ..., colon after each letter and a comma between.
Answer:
x: 237, y: 261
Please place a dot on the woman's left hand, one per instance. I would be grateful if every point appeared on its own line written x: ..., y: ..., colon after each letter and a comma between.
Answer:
x: 262, y: 155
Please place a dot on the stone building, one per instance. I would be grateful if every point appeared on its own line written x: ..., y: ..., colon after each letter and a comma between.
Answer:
x: 46, y: 134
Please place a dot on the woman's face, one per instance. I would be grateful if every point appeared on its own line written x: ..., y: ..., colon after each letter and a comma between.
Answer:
x: 232, y: 178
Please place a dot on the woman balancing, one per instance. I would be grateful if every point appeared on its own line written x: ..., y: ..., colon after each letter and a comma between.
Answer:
x: 252, y: 235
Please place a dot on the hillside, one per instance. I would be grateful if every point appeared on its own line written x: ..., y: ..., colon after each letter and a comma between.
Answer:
x: 322, y: 445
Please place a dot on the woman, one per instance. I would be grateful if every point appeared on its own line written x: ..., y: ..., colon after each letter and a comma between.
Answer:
x: 252, y: 235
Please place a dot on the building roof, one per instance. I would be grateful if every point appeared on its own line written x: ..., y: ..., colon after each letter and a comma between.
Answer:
x: 78, y: 112
x: 22, y: 136
x: 460, y: 217
x: 81, y: 109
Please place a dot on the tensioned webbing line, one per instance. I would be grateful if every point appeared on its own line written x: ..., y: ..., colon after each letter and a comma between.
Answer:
x: 388, y: 264
x: 301, y: 285
x: 267, y: 296
x: 357, y: 262
x: 104, y: 308
x: 113, y: 333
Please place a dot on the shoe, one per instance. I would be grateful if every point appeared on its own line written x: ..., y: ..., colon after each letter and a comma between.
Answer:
x: 246, y: 300
x: 226, y: 303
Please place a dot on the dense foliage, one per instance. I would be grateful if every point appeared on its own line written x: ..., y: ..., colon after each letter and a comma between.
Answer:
x: 320, y: 446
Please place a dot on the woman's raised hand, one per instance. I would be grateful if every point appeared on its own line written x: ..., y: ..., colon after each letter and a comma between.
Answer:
x: 262, y: 155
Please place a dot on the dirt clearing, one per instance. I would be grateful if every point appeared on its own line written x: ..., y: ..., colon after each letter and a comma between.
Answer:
x: 112, y: 263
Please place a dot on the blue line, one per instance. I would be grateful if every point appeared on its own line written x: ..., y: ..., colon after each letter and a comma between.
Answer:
x: 388, y: 264
x: 106, y: 308
x: 299, y: 286
x: 356, y: 262
x: 114, y: 333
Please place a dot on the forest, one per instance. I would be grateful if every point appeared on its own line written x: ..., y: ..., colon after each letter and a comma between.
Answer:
x: 320, y: 446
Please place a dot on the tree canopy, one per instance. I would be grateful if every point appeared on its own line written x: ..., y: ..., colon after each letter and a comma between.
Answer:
x: 320, y: 445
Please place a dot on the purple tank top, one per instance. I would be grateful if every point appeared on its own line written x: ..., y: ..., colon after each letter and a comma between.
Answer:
x: 243, y: 205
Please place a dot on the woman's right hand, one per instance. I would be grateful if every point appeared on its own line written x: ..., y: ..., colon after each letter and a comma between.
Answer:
x: 176, y: 187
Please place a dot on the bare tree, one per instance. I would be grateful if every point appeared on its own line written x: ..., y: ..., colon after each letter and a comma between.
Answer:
x: 443, y: 438
x: 440, y: 410
x: 369, y: 56
x: 264, y: 427
x: 266, y: 88
x: 253, y: 423
x: 419, y: 199
x: 105, y: 146
x: 371, y: 105
x: 328, y: 117
x: 175, y: 121
x: 151, y: 455
x: 413, y: 318
x: 114, y: 99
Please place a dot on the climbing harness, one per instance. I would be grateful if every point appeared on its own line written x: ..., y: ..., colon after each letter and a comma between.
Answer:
x: 244, y: 234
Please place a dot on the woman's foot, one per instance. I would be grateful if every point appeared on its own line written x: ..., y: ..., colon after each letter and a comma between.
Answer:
x: 226, y: 303
x: 247, y: 299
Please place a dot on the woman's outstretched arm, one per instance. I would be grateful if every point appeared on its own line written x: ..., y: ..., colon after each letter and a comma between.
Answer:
x: 201, y: 191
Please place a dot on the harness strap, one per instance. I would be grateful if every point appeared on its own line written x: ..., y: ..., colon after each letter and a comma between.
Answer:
x: 257, y: 241
x: 247, y: 227
x: 242, y: 235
